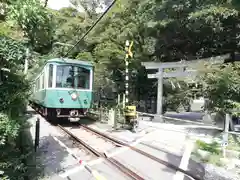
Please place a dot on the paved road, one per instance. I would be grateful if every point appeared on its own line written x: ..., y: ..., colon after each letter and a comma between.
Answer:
x: 190, y: 116
x: 186, y: 115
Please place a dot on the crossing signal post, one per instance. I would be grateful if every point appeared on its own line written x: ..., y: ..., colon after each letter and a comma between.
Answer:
x: 128, y: 54
x: 130, y: 111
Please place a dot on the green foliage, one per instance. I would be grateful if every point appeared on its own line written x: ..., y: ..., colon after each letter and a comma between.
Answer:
x: 233, y: 143
x: 209, y: 153
x: 35, y: 21
x: 221, y: 85
x: 8, y: 129
x: 212, y: 147
x: 161, y: 30
x: 13, y: 149
x: 215, y: 159
x: 12, y: 53
x: 19, y: 18
x: 178, y: 96
x: 5, y: 30
x: 14, y: 90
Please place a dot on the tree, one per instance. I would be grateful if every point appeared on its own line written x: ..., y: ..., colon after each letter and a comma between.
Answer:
x: 19, y: 19
x: 221, y: 85
x: 161, y: 30
x: 189, y: 29
x: 45, y: 3
x: 35, y: 22
x: 92, y: 7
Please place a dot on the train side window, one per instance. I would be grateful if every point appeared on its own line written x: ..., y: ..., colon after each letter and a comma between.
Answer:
x: 50, y: 76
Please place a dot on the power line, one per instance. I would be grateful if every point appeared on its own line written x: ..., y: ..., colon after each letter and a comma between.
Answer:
x: 96, y: 22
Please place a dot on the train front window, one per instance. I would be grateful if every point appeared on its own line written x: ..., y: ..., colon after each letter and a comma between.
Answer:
x: 72, y: 77
x: 64, y: 77
x: 82, y: 78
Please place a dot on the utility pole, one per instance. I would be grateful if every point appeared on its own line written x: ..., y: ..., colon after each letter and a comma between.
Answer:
x: 128, y: 47
x: 46, y: 3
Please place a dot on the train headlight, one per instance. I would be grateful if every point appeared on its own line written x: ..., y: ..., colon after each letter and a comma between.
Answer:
x: 74, y: 96
x: 61, y: 100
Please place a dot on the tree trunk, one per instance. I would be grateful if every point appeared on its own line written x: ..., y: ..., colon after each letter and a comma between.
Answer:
x: 46, y: 3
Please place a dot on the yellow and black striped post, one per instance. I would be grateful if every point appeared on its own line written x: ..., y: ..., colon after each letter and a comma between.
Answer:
x: 128, y: 53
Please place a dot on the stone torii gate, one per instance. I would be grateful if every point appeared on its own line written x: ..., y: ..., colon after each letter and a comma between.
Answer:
x: 179, y: 72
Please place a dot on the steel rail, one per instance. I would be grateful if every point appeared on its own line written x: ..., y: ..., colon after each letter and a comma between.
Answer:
x: 113, y: 161
x: 167, y: 164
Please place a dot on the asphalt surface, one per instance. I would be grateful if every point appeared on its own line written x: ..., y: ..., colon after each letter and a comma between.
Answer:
x: 193, y: 116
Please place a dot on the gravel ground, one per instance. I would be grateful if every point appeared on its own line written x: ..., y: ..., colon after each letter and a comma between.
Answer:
x: 51, y: 157
x: 218, y: 173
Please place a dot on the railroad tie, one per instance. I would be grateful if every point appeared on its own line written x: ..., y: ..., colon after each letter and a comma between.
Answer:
x: 95, y: 173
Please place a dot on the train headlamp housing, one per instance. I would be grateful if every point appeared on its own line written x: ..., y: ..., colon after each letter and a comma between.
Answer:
x: 61, y: 100
x: 74, y: 96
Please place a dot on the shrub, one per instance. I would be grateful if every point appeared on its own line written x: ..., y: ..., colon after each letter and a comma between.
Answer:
x: 210, y: 147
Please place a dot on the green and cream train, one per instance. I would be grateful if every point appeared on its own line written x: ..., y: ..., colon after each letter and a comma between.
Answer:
x: 63, y: 89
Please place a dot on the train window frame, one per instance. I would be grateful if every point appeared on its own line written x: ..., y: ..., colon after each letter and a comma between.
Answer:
x: 37, y: 84
x: 76, y: 72
x: 61, y: 85
x: 40, y: 85
x: 43, y: 79
x: 50, y: 75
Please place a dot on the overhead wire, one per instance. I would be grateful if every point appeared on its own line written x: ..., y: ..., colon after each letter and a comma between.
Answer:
x: 91, y: 28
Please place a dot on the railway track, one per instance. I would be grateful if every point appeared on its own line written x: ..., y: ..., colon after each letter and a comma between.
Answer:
x: 99, y: 153
x: 167, y: 164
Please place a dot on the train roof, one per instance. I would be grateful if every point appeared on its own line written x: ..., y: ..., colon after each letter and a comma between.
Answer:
x: 70, y: 61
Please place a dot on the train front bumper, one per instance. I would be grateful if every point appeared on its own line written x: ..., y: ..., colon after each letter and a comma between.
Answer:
x: 74, y: 119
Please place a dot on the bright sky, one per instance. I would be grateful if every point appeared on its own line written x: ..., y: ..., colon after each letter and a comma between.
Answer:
x: 58, y: 4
